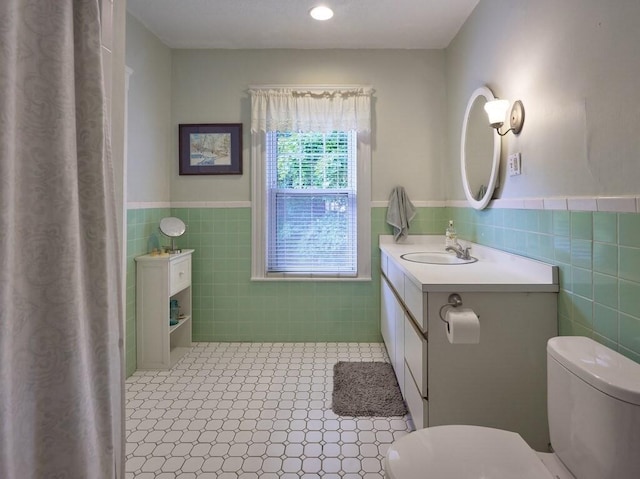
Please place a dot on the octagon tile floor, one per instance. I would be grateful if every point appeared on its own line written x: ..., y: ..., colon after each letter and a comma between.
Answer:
x: 253, y: 410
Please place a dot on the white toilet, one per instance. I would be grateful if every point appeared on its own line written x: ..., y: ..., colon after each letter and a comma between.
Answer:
x: 594, y: 423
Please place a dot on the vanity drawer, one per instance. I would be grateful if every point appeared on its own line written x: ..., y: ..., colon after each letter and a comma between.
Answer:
x: 415, y: 355
x: 396, y: 278
x: 417, y: 405
x: 384, y: 258
x: 413, y: 299
x: 179, y: 275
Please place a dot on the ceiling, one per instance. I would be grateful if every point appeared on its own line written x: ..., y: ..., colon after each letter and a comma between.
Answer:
x: 250, y: 24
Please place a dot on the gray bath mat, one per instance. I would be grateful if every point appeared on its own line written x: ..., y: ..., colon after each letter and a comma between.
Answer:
x: 366, y: 389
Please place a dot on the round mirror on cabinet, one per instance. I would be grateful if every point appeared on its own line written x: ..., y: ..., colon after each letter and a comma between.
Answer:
x: 479, y: 151
x: 173, y: 228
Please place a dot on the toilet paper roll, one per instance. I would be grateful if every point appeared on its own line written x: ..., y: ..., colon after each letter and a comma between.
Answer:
x: 463, y: 326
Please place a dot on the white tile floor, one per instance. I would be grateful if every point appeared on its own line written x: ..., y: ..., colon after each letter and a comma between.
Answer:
x: 253, y: 410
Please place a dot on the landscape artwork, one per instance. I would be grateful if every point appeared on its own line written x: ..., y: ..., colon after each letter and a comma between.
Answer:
x: 210, y: 149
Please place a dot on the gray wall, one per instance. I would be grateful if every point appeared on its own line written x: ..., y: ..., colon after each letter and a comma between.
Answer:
x: 575, y: 65
x: 149, y: 111
x: 210, y: 86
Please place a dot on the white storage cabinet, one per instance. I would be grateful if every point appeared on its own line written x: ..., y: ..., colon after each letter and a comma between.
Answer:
x: 160, y: 278
x: 500, y: 382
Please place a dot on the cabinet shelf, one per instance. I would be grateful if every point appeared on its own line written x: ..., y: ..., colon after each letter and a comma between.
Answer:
x: 160, y: 279
x: 181, y: 322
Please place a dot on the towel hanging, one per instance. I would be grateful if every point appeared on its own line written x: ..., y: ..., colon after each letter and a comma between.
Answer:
x: 400, y: 212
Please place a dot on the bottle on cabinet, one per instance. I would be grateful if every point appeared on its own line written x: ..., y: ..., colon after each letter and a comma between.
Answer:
x: 174, y: 311
x: 451, y: 238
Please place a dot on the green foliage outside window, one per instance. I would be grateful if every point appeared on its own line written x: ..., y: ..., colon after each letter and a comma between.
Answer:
x: 313, y: 160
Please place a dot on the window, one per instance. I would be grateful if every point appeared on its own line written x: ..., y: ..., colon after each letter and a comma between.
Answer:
x: 311, y: 188
x: 312, y: 202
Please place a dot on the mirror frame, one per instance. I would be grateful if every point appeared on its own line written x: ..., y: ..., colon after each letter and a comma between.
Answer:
x: 491, y: 185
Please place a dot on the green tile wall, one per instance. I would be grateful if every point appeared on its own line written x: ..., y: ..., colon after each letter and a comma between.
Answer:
x: 598, y: 255
x: 228, y: 306
x: 142, y: 237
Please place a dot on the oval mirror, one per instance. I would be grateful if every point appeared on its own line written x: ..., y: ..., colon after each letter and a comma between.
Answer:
x: 479, y: 151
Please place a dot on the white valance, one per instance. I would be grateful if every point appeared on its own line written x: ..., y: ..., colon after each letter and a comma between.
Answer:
x: 317, y: 109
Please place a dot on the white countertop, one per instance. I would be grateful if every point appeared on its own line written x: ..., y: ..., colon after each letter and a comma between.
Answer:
x: 495, y: 270
x: 164, y: 256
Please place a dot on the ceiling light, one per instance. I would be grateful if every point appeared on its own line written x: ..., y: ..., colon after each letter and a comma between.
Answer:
x: 321, y: 13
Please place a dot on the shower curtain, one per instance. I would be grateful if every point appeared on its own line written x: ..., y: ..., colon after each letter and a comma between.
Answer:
x: 60, y: 310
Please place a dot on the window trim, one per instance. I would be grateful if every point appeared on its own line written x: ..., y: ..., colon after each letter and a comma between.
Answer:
x: 259, y: 205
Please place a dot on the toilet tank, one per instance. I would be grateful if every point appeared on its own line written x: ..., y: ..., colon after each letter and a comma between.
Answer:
x: 594, y: 409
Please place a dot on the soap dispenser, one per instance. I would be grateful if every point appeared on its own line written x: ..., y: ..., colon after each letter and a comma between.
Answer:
x: 451, y: 238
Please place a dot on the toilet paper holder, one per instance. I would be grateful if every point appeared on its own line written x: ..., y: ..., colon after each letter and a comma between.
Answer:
x: 453, y: 301
x: 464, y: 327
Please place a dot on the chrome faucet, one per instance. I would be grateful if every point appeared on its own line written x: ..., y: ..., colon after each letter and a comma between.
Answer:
x: 460, y: 251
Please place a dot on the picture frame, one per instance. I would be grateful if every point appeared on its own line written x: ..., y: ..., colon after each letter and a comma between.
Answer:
x: 210, y: 149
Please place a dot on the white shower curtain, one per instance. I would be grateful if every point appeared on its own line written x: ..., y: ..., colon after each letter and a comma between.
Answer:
x: 60, y: 320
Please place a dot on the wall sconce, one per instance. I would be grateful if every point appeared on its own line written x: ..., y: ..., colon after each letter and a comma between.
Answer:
x: 496, y: 110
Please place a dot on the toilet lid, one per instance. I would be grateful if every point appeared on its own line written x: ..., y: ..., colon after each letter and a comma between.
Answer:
x: 463, y: 452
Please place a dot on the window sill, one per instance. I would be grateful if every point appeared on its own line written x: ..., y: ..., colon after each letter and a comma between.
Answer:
x: 309, y: 277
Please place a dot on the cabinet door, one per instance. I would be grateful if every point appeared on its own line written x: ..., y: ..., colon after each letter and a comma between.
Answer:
x: 392, y: 327
x: 418, y: 406
x: 415, y: 353
x: 399, y: 323
x: 387, y: 320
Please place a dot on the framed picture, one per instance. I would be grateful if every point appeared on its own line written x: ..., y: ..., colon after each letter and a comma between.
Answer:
x: 211, y: 149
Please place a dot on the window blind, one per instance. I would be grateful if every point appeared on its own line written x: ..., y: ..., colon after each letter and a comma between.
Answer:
x: 312, y: 202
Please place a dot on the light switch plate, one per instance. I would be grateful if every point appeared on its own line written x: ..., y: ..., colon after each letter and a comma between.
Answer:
x: 514, y: 164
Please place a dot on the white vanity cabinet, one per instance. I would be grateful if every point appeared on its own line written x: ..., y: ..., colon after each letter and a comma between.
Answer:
x: 404, y: 342
x: 159, y: 279
x: 499, y: 382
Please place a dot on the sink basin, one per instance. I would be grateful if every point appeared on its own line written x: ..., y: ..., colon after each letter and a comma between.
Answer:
x: 432, y: 257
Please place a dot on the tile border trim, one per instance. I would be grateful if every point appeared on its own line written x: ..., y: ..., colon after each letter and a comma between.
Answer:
x: 418, y: 204
x: 611, y: 204
x: 188, y: 204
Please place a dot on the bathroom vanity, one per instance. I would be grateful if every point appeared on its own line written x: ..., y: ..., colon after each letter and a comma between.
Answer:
x: 160, y: 279
x: 500, y: 381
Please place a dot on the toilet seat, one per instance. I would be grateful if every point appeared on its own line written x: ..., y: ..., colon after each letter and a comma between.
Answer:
x: 463, y: 452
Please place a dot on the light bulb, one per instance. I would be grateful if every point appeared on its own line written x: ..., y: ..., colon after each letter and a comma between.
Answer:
x: 321, y: 13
